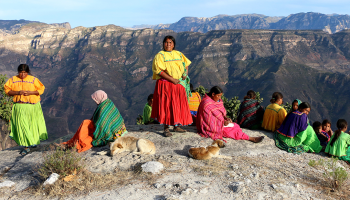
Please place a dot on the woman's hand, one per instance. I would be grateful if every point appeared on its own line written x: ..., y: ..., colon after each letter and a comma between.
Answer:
x: 27, y: 93
x: 175, y: 81
x: 184, y: 76
x: 228, y: 119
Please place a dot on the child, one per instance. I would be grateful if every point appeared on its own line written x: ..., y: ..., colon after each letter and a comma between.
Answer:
x: 323, y: 137
x: 148, y: 110
x: 326, y: 127
x: 194, y: 102
x: 295, y: 105
x: 339, y: 143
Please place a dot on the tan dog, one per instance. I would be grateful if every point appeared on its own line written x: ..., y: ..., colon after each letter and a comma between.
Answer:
x: 133, y: 144
x: 201, y: 153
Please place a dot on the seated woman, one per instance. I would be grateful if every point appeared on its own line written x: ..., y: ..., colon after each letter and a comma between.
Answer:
x: 105, y: 126
x: 193, y: 103
x: 295, y: 135
x: 274, y: 113
x: 340, y: 142
x: 211, y: 119
x: 250, y: 113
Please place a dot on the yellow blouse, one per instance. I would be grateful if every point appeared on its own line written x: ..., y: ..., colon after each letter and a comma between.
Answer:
x: 170, y: 62
x: 29, y: 83
x: 273, y: 117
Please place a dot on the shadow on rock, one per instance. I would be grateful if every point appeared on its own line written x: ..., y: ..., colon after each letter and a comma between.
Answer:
x: 184, y: 151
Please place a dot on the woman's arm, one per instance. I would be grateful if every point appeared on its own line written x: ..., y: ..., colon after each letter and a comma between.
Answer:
x: 169, y: 78
x: 27, y: 93
x: 13, y: 93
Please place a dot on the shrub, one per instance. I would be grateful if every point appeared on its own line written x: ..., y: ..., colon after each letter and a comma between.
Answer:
x: 6, y: 104
x: 139, y: 120
x: 201, y: 90
x: 231, y: 106
x: 335, y: 176
x: 61, y: 162
x: 287, y: 107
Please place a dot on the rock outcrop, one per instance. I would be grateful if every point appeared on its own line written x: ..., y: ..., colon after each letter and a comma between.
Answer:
x: 255, y: 171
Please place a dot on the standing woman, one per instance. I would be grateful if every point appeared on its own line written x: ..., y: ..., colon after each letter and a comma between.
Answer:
x: 170, y: 101
x: 27, y: 122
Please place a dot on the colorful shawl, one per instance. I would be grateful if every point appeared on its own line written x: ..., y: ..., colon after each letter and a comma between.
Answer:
x: 294, y: 123
x: 186, y: 83
x: 210, y: 118
x: 250, y: 113
x: 108, y: 122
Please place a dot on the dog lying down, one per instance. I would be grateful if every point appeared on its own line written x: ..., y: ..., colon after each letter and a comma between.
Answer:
x: 132, y: 144
x: 202, y: 153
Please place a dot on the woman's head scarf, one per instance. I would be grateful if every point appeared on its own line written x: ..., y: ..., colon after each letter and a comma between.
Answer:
x: 99, y: 96
x: 299, y: 102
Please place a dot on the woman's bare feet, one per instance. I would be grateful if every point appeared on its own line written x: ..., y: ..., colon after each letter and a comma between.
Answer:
x: 256, y: 139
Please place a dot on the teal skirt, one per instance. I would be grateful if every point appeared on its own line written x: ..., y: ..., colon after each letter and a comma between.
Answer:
x: 28, y: 124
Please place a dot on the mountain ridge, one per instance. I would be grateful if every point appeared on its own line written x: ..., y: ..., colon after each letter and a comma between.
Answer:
x: 330, y: 23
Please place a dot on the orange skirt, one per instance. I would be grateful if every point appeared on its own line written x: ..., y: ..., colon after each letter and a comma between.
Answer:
x: 82, y: 139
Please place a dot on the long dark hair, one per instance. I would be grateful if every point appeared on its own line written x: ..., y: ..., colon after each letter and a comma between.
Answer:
x: 341, y: 124
x: 250, y: 95
x: 276, y: 96
x: 304, y: 105
x: 215, y: 90
x: 23, y: 67
x: 301, y: 106
x: 316, y: 125
x: 169, y: 37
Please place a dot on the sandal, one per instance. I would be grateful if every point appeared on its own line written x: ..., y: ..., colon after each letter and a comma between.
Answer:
x: 167, y: 133
x: 24, y: 152
x: 180, y: 130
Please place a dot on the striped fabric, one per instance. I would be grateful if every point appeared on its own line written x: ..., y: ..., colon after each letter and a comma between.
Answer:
x: 210, y: 118
x: 282, y: 145
x: 108, y: 122
x: 250, y: 113
x: 195, y: 100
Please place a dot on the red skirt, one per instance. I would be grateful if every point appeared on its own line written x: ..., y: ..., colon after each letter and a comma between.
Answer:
x: 170, y: 104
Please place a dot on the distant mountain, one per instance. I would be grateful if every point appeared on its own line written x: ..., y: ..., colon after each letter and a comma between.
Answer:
x: 301, y: 21
x: 14, y: 25
x: 313, y: 66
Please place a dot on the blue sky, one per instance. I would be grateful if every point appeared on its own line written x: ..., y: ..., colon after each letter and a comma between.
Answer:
x: 127, y: 13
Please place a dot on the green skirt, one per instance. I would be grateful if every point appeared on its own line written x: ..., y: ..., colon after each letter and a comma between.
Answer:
x: 305, y: 141
x: 347, y: 157
x: 28, y: 124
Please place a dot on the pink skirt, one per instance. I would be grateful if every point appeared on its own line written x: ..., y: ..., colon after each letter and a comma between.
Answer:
x: 234, y: 132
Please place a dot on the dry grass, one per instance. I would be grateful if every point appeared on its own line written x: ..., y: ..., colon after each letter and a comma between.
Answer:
x: 214, y: 166
x: 85, y: 182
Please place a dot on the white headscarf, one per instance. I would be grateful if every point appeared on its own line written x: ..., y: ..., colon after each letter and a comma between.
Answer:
x: 99, y: 96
